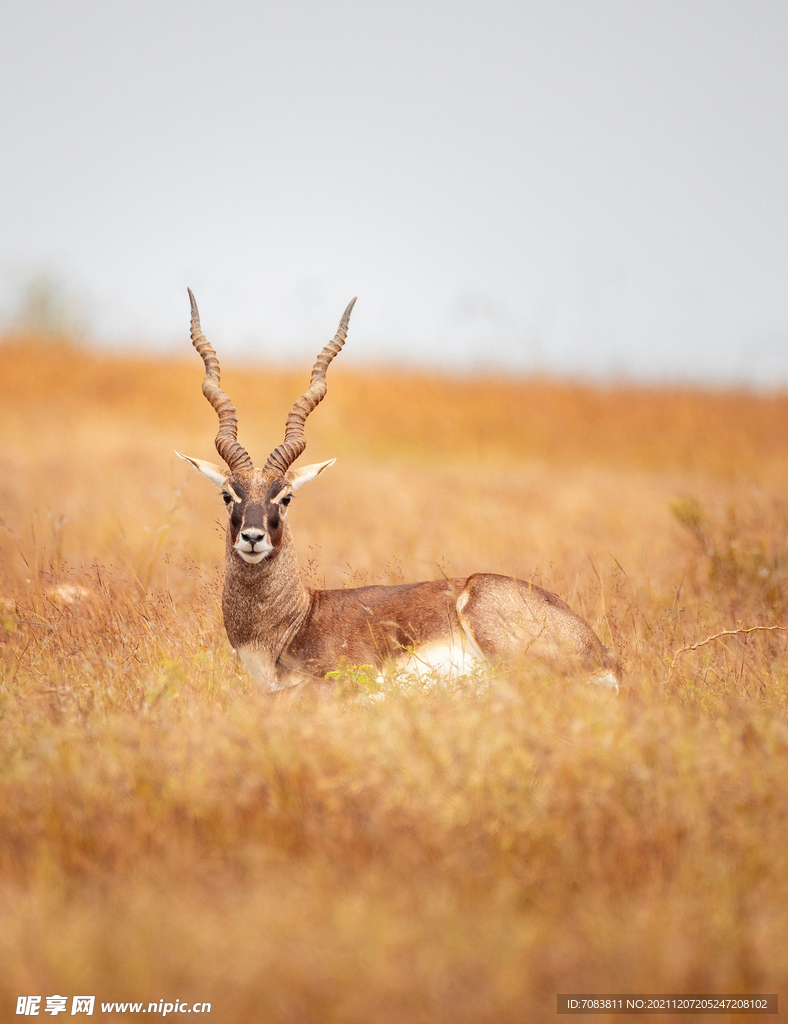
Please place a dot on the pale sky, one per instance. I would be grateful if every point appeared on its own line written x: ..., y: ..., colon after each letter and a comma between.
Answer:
x: 582, y: 187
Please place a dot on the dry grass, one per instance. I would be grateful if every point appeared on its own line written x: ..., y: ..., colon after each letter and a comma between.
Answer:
x: 463, y: 855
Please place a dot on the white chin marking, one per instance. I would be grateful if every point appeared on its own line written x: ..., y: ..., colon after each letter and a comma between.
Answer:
x: 253, y: 557
x: 253, y: 553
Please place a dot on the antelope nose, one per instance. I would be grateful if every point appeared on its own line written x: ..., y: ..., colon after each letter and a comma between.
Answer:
x: 252, y: 536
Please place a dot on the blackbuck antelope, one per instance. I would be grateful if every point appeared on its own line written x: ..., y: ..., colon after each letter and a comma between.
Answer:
x: 287, y: 634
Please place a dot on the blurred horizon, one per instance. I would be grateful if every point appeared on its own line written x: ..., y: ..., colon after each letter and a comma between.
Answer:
x: 85, y: 350
x: 569, y: 190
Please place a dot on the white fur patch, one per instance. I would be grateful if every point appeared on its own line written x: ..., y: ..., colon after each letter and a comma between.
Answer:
x: 215, y: 474
x: 450, y: 660
x: 298, y: 477
x: 604, y: 679
x: 68, y: 593
x: 262, y: 670
x: 282, y: 494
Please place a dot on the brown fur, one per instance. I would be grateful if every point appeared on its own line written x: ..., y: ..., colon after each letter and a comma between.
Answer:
x: 298, y: 634
x: 287, y: 634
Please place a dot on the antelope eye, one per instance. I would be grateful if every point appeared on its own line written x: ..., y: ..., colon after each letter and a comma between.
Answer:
x: 286, y: 501
x: 227, y: 497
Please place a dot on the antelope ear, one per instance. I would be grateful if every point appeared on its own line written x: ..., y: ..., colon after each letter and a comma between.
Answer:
x: 298, y: 477
x: 214, y: 473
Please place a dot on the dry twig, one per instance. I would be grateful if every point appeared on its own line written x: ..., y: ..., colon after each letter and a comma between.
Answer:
x: 716, y: 636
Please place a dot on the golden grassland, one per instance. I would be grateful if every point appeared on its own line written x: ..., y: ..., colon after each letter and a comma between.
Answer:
x: 456, y: 853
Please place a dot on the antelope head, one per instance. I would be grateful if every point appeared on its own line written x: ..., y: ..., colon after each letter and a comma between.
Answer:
x: 257, y: 499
